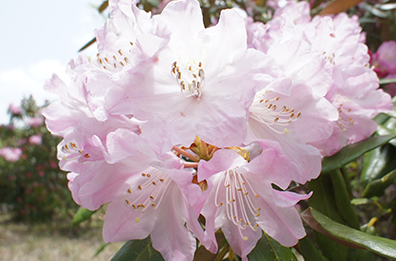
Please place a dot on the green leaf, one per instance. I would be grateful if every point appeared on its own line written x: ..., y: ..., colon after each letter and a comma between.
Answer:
x: 360, y: 201
x: 352, y: 152
x: 342, y: 199
x: 81, y: 215
x: 378, y: 162
x: 377, y: 187
x: 322, y: 198
x: 349, y: 236
x: 268, y: 249
x: 386, y: 81
x: 359, y: 255
x: 309, y: 251
x: 101, y: 248
x: 137, y: 250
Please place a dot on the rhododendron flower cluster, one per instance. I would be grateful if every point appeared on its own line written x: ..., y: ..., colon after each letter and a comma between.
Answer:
x: 172, y: 121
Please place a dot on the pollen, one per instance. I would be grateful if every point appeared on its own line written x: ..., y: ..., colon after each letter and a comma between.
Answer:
x: 137, y: 220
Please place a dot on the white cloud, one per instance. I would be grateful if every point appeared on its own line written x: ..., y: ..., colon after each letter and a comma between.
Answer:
x: 23, y: 82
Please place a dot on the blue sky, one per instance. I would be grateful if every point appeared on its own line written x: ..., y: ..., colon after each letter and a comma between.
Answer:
x: 38, y: 38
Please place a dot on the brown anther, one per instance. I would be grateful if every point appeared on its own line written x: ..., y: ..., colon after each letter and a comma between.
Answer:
x: 234, y: 217
x: 239, y: 189
x: 122, y: 63
x: 134, y: 206
x: 228, y: 185
x: 258, y: 209
x: 257, y: 195
x: 174, y: 70
x: 277, y: 98
x: 107, y: 60
x: 255, y: 226
x: 291, y: 115
x: 143, y: 174
x: 175, y: 64
x: 155, y: 184
x: 115, y: 65
x: 127, y: 201
x: 232, y: 200
x: 246, y: 193
x: 258, y: 214
x: 152, y: 204
x: 189, y: 68
x: 129, y: 191
x: 86, y: 156
x: 101, y: 61
x: 162, y: 180
x: 148, y: 175
x: 261, y: 101
x: 140, y: 187
x: 104, y: 67
x: 200, y: 64
x: 152, y: 197
x: 119, y: 51
x: 221, y: 204
x: 299, y: 114
x: 276, y: 119
x: 131, y: 43
x: 179, y: 75
x: 126, y: 60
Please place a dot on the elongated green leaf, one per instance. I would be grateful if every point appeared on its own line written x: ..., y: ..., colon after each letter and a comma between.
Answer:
x: 137, y: 250
x: 349, y: 236
x: 101, y: 248
x: 377, y: 187
x: 322, y: 198
x: 352, y: 152
x: 342, y: 199
x: 378, y: 162
x: 359, y: 255
x: 268, y: 249
x: 386, y: 81
x: 388, y: 127
x: 81, y: 215
x: 309, y: 251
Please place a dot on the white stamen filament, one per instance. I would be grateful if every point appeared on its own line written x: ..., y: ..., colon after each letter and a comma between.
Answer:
x: 239, y: 197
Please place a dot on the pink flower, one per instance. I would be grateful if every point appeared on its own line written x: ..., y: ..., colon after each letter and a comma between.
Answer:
x: 355, y: 92
x: 16, y: 110
x: 384, y: 59
x: 11, y: 154
x: 34, y: 122
x: 35, y: 139
x: 242, y: 201
x: 194, y: 87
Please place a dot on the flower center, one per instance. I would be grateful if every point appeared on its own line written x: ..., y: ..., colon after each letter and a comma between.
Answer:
x: 240, y: 200
x: 113, y: 62
x: 189, y: 78
x: 150, y: 192
x: 270, y: 111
